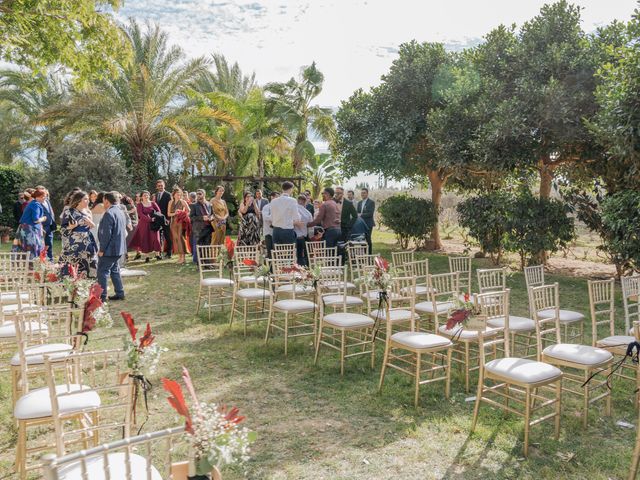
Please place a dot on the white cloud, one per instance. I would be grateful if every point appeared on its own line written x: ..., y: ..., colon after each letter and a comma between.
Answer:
x: 352, y: 41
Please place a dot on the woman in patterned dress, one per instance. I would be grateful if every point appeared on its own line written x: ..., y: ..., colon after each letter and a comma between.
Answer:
x: 249, y: 231
x: 79, y: 248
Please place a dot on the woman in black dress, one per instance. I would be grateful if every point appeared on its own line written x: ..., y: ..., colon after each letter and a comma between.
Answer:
x: 249, y: 231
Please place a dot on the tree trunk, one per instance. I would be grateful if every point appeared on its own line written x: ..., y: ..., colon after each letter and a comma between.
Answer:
x: 546, y: 179
x: 138, y: 167
x: 437, y: 183
x: 261, y: 167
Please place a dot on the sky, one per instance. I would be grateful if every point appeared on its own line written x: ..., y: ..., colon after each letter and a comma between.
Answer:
x: 353, y: 42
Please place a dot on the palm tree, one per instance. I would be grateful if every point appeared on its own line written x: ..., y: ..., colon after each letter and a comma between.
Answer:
x: 291, y: 101
x: 226, y: 79
x: 150, y: 103
x: 321, y: 171
x: 28, y: 96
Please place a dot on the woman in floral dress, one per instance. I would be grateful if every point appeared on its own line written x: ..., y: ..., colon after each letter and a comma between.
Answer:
x: 79, y: 248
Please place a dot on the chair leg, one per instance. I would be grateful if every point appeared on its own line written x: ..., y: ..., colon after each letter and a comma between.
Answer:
x: 417, y: 392
x: 585, y: 407
x: 527, y: 420
x: 244, y: 317
x: 21, y: 447
x: 373, y: 351
x: 635, y: 458
x: 342, y: 350
x: 385, y: 358
x: 318, y: 340
x: 608, y: 399
x: 476, y: 407
x: 199, y: 300
x: 209, y: 303
x: 558, y: 408
x: 286, y: 333
x: 233, y: 311
x: 447, y: 388
x: 269, y: 320
x: 467, y: 366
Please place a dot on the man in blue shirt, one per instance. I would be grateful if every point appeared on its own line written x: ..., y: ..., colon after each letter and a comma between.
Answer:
x: 112, y: 237
x: 49, y: 225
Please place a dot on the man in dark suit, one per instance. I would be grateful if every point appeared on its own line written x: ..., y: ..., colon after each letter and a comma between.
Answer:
x: 348, y: 214
x: 200, y: 212
x: 49, y: 225
x: 260, y: 200
x: 112, y: 236
x: 366, y: 209
x: 162, y: 199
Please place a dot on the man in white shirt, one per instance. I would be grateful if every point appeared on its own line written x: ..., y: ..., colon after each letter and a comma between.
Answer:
x: 284, y: 213
x: 301, y: 230
x: 266, y: 224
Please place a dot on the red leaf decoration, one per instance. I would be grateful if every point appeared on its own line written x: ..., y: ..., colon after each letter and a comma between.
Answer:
x: 52, y: 277
x: 232, y: 415
x: 176, y: 400
x: 228, y: 243
x: 466, y: 297
x: 131, y: 325
x: 250, y: 262
x: 36, y: 276
x: 457, y: 317
x: 186, y: 378
x: 43, y: 254
x: 147, y: 338
x: 90, y: 306
x: 381, y: 263
x: 95, y: 290
x: 73, y: 271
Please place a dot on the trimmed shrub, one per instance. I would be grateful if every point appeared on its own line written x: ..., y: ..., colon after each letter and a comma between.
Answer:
x: 486, y: 216
x: 410, y: 218
x: 11, y: 182
x: 621, y: 221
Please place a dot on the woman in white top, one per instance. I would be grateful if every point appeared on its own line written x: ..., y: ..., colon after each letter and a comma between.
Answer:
x: 97, y: 212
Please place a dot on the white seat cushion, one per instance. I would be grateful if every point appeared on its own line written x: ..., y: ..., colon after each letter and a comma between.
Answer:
x: 338, y: 285
x: 566, y: 316
x: 216, y: 282
x: 620, y: 341
x: 127, y: 272
x: 427, y: 307
x: 338, y: 299
x: 348, y: 320
x: 523, y: 370
x: 117, y: 468
x: 462, y: 334
x: 294, y: 305
x: 421, y: 290
x: 12, y: 297
x: 8, y: 330
x: 582, y: 354
x: 35, y: 355
x: 14, y: 307
x: 37, y: 403
x: 373, y: 295
x: 420, y: 340
x: 299, y: 288
x: 252, y: 279
x: 516, y: 324
x: 253, y: 293
x: 396, y: 315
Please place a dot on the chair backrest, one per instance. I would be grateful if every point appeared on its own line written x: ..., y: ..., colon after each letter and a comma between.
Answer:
x: 534, y: 276
x: 104, y: 373
x: 333, y: 281
x: 284, y: 251
x: 313, y: 246
x: 242, y: 272
x: 401, y: 297
x: 400, y: 258
x: 601, y: 303
x: 353, y: 251
x: 631, y: 299
x: 210, y: 263
x: 547, y: 298
x: 320, y: 261
x: 492, y: 280
x: 13, y: 266
x: 279, y: 278
x: 442, y: 288
x: 162, y: 446
x: 416, y: 268
x: 243, y: 252
x: 495, y: 305
x: 325, y: 252
x: 462, y: 265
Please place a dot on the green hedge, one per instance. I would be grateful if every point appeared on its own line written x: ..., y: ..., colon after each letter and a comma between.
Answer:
x: 11, y: 182
x: 410, y: 218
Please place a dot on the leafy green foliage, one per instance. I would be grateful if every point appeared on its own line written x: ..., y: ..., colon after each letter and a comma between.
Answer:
x: 11, y: 180
x: 321, y: 171
x: 537, y: 225
x: 410, y: 218
x: 76, y: 33
x: 620, y: 218
x: 486, y: 217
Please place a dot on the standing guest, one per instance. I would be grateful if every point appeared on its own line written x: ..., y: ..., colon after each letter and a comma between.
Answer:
x: 162, y: 199
x: 316, y: 208
x: 328, y: 218
x: 309, y: 205
x: 249, y: 230
x: 18, y: 207
x: 200, y: 214
x: 193, y: 196
x: 180, y: 225
x: 132, y: 213
x: 137, y: 199
x: 112, y: 235
x: 284, y: 212
x: 29, y: 236
x: 97, y: 211
x: 146, y: 240
x: 49, y: 225
x: 366, y: 209
x: 79, y: 248
x: 93, y: 195
x: 127, y: 218
x: 301, y: 230
x: 220, y: 216
x: 351, y: 196
x: 260, y: 200
x: 348, y: 214
x: 267, y: 230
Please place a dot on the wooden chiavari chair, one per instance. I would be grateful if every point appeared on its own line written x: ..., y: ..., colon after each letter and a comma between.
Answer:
x: 521, y: 329
x: 419, y: 269
x: 335, y: 290
x: 293, y: 316
x: 216, y: 289
x: 503, y: 382
x: 401, y: 300
x: 401, y: 258
x: 151, y: 456
x: 250, y: 299
x: 285, y: 252
x: 349, y: 333
x: 443, y: 289
x: 314, y: 246
x: 572, y: 322
x: 247, y: 252
x: 424, y: 356
x: 355, y: 250
x: 631, y: 300
x: 14, y: 273
x: 569, y: 357
x: 462, y: 265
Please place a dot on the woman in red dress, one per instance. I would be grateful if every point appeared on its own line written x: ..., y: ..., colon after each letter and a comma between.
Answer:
x: 145, y: 240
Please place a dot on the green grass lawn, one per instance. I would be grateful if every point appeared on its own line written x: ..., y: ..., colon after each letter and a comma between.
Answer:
x: 314, y: 424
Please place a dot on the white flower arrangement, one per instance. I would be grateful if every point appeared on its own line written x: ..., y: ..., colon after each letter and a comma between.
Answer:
x: 103, y: 316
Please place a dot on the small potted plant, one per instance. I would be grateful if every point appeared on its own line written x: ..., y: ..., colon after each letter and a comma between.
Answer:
x: 5, y: 234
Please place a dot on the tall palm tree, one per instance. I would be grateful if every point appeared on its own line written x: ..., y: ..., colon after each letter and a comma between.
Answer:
x: 321, y: 171
x: 292, y: 102
x: 227, y: 79
x: 149, y: 104
x: 28, y: 96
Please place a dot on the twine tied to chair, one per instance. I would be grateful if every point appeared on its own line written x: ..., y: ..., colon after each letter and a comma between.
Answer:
x: 140, y: 381
x: 633, y: 352
x: 383, y: 302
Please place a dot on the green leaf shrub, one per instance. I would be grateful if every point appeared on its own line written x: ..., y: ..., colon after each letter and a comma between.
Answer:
x: 410, y: 218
